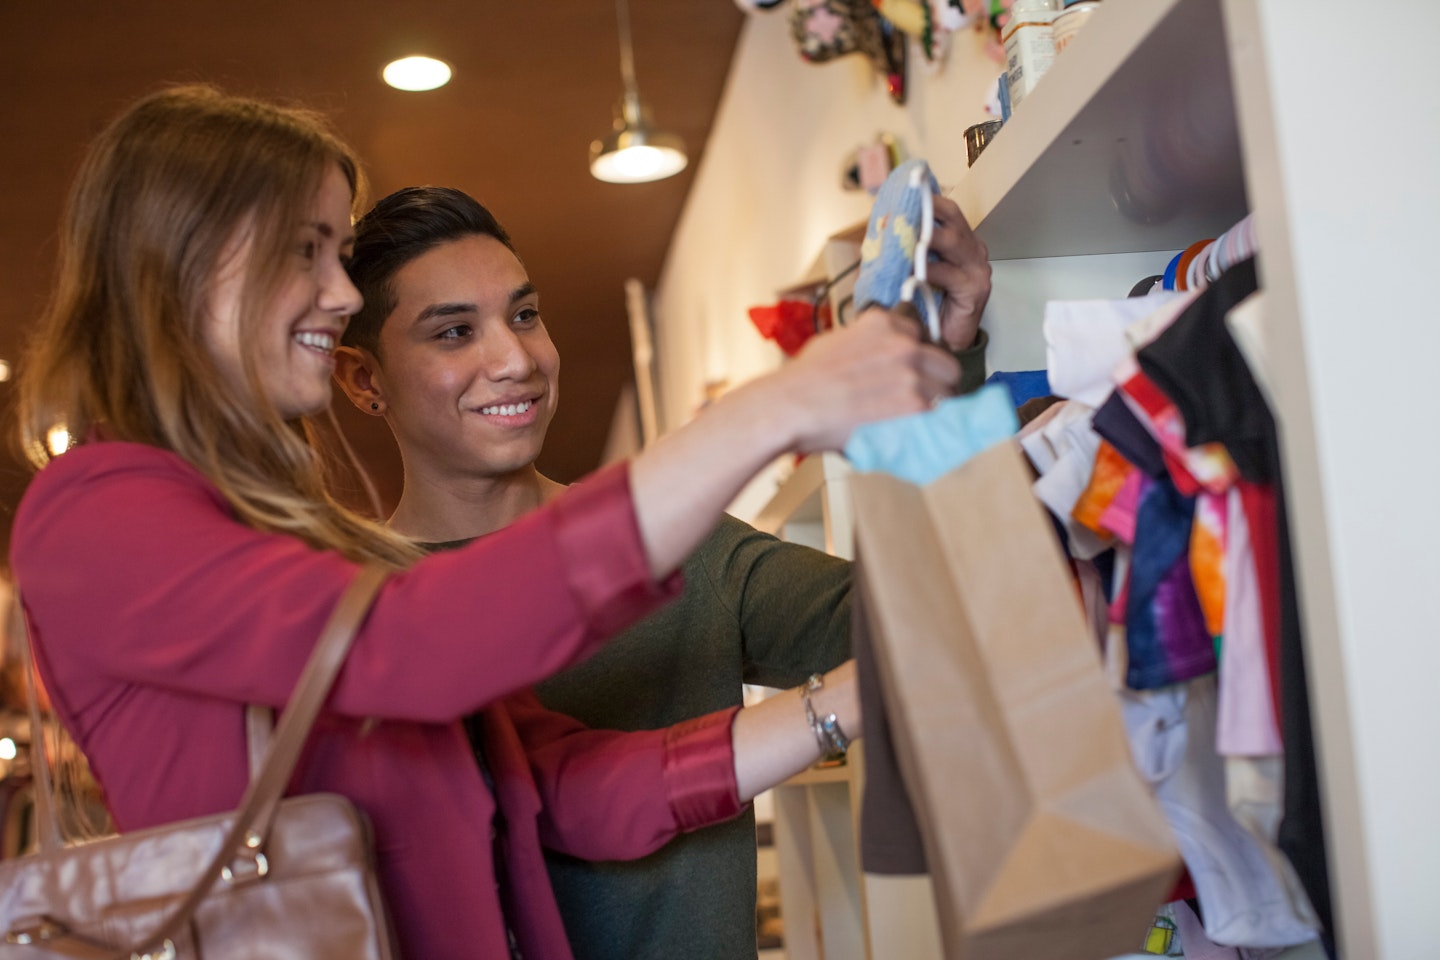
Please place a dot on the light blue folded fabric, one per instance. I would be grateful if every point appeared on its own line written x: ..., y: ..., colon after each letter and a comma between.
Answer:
x: 924, y: 446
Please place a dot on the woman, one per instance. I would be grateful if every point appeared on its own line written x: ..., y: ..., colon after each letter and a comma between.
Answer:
x: 178, y: 563
x: 452, y: 351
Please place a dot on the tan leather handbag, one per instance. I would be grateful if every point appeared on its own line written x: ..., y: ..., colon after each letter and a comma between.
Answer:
x: 278, y: 878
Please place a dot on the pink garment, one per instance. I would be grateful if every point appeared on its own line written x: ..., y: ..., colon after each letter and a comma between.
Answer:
x: 1106, y: 478
x: 1119, y: 517
x: 1246, y: 724
x: 156, y: 616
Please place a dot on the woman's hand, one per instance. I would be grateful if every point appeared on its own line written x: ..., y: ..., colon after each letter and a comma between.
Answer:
x: 873, y: 369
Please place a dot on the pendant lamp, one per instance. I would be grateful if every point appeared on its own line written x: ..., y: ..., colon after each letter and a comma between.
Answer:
x: 634, y: 152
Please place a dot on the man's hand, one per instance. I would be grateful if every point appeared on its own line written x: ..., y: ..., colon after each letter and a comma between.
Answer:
x: 962, y: 272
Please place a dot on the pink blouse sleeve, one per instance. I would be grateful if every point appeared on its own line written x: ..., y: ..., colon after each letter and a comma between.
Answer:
x: 133, y: 567
x: 605, y: 564
x: 608, y: 795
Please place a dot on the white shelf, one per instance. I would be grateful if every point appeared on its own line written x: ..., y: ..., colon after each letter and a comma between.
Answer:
x: 1139, y: 103
x: 1139, y: 106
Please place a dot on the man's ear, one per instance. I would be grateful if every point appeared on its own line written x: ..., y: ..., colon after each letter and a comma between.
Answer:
x: 356, y: 372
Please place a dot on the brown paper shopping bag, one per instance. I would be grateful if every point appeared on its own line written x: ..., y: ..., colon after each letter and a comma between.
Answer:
x: 1043, y: 842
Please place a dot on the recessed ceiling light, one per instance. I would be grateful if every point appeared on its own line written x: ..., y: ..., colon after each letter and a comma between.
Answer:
x: 416, y: 73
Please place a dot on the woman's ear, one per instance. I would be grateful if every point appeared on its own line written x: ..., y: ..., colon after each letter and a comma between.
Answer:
x: 355, y: 371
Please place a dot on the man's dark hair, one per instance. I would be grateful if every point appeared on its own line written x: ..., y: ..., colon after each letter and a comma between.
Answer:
x: 398, y: 229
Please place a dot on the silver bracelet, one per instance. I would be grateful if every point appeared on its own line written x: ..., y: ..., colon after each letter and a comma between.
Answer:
x: 828, y: 734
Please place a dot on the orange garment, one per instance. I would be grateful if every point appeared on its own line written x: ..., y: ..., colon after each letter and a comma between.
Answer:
x: 1106, y: 479
x: 1207, y: 559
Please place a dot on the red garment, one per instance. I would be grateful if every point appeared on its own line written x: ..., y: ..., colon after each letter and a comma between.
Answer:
x: 1258, y: 500
x: 156, y: 616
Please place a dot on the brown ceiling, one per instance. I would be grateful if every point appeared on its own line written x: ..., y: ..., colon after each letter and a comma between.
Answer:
x: 534, y: 83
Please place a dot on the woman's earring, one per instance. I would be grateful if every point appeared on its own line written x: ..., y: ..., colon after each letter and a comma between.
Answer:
x: 375, y: 406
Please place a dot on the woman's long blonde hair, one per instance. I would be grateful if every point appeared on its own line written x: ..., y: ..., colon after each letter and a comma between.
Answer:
x: 158, y: 204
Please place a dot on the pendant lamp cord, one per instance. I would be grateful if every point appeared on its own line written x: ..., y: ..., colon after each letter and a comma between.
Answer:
x: 627, y: 62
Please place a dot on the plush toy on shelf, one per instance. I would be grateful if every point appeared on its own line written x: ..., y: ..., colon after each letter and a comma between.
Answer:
x: 826, y: 29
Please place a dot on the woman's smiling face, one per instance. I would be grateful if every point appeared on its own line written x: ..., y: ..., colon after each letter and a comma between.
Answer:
x: 295, y: 341
x: 468, y: 373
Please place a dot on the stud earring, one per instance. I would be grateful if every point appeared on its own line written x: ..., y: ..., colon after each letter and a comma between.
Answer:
x: 374, y: 406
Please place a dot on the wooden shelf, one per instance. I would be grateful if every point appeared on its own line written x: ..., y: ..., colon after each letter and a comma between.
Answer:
x: 812, y: 776
x: 812, y: 506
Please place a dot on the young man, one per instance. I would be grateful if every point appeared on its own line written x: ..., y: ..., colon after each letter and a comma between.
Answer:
x: 451, y: 350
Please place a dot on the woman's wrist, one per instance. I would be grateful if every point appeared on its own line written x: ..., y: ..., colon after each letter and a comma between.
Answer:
x: 832, y: 710
x: 774, y: 740
x: 773, y: 410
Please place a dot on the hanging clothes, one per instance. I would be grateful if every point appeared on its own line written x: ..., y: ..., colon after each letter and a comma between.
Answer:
x: 1074, y: 444
x: 1085, y: 340
x: 1164, y: 625
x: 1248, y: 724
x: 1197, y: 363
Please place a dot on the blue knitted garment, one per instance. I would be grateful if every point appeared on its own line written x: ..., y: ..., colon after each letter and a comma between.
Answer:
x: 900, y: 222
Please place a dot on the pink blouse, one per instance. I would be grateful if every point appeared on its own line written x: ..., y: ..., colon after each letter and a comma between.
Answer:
x: 156, y: 616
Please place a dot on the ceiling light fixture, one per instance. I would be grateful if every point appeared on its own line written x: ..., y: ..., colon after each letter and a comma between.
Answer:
x: 634, y: 152
x: 416, y: 73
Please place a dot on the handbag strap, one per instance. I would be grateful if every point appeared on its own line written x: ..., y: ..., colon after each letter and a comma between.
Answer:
x: 256, y: 812
x: 47, y: 818
x: 259, y: 725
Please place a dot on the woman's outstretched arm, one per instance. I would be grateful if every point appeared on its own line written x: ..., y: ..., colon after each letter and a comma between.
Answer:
x: 874, y: 369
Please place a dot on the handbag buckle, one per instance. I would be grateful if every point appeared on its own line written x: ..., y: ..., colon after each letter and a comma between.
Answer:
x: 260, y: 866
x: 36, y: 930
x: 166, y: 951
